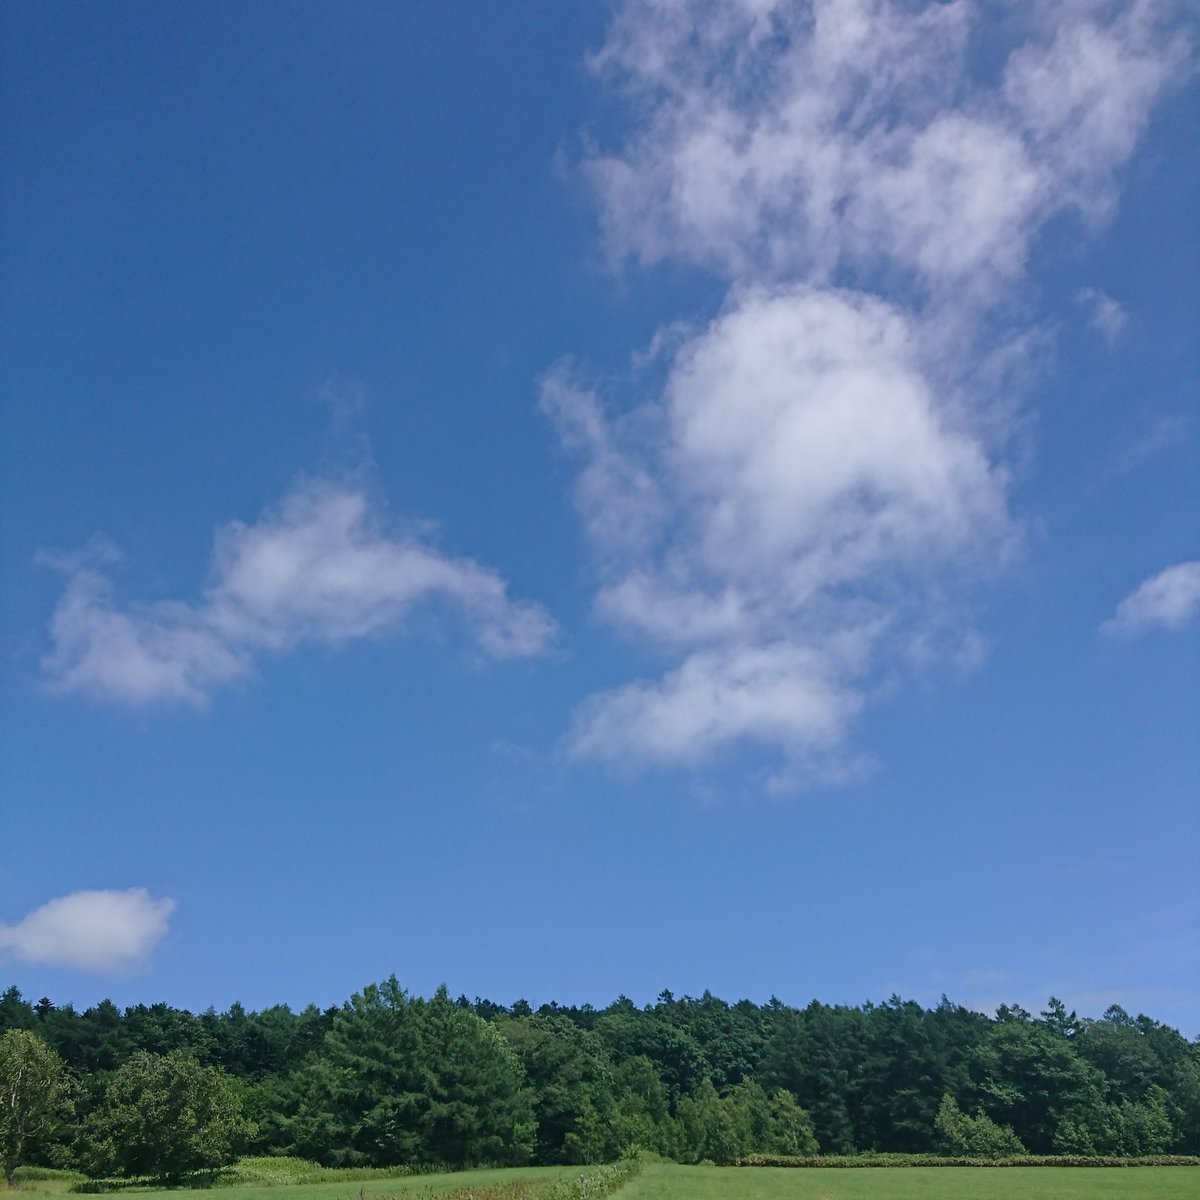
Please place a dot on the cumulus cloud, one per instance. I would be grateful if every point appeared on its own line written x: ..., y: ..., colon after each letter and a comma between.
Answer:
x: 90, y: 930
x: 815, y: 489
x: 1168, y: 600
x: 790, y: 520
x: 320, y: 567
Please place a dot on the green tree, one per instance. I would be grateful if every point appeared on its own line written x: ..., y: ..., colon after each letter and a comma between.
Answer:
x: 963, y: 1136
x: 403, y: 1080
x: 570, y: 1078
x: 1033, y: 1080
x: 34, y: 1094
x: 644, y: 1120
x: 627, y: 1030
x: 165, y: 1115
x: 480, y: 1112
x: 712, y: 1128
x: 15, y: 1013
x: 817, y: 1054
x: 1128, y: 1128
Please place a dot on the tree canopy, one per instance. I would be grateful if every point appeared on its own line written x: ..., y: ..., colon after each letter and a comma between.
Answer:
x: 390, y: 1078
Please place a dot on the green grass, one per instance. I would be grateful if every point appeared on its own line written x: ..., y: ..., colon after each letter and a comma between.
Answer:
x: 663, y: 1181
x: 280, y: 1180
x: 350, y: 1186
x: 44, y: 1181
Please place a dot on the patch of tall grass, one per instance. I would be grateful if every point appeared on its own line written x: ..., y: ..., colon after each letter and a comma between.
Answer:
x: 265, y: 1171
x: 44, y: 1181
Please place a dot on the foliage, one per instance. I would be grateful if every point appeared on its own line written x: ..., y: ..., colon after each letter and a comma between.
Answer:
x: 569, y: 1073
x: 958, y: 1135
x: 390, y: 1079
x: 403, y: 1080
x: 164, y: 1115
x: 34, y: 1094
x: 746, y: 1120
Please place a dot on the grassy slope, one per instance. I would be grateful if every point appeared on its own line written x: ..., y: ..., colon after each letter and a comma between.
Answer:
x: 668, y: 1182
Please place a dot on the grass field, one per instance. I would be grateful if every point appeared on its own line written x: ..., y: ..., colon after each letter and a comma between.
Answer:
x: 382, y: 1188
x: 668, y: 1181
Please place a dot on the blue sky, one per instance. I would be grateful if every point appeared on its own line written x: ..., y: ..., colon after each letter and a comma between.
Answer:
x: 570, y: 500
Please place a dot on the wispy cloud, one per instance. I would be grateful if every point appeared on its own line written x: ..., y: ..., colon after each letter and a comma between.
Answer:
x: 320, y: 567
x: 1106, y: 314
x: 1168, y: 600
x: 786, y: 139
x: 90, y: 930
x: 792, y: 517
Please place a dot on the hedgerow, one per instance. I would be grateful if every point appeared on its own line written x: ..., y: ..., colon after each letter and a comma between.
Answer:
x: 935, y: 1160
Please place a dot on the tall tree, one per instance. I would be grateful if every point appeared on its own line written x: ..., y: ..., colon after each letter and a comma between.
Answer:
x: 34, y: 1094
x: 403, y: 1080
x: 570, y: 1079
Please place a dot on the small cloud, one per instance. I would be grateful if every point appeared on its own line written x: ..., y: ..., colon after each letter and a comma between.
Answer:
x: 1168, y: 600
x: 102, y: 930
x: 99, y: 551
x: 1106, y: 314
x: 346, y: 402
x: 320, y: 567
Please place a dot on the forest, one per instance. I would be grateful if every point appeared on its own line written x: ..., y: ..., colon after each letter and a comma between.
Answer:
x: 389, y: 1078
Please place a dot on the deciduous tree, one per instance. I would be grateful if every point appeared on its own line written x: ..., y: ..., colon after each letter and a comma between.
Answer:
x: 165, y: 1115
x: 34, y: 1094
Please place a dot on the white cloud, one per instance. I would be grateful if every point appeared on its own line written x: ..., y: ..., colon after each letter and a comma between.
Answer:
x: 816, y: 491
x: 90, y: 930
x: 1168, y: 600
x: 1106, y: 314
x: 785, y: 694
x: 790, y: 520
x: 319, y: 568
x: 777, y: 138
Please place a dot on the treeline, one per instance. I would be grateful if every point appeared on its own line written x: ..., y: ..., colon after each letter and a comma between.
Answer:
x: 389, y: 1079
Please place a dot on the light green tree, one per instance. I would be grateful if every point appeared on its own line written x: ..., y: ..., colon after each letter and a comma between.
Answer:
x: 960, y: 1135
x: 34, y: 1094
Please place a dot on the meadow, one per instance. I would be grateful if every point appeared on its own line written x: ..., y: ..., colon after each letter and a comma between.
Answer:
x: 671, y: 1181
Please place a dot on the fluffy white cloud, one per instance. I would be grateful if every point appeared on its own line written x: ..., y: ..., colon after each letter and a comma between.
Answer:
x: 773, y: 694
x: 817, y: 491
x: 319, y: 568
x: 91, y: 930
x: 790, y: 519
x: 778, y: 138
x: 1168, y: 600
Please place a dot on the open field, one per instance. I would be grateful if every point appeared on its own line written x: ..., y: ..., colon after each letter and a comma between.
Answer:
x: 670, y: 1182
